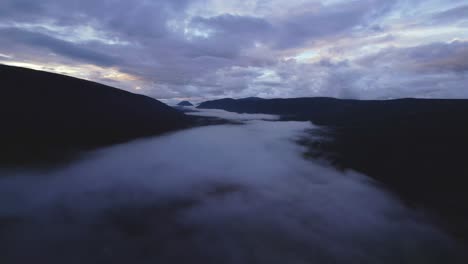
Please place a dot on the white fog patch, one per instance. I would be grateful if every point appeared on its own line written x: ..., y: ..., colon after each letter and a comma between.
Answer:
x: 214, y: 194
x: 231, y: 115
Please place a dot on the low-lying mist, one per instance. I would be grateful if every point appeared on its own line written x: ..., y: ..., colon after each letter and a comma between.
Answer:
x: 213, y: 194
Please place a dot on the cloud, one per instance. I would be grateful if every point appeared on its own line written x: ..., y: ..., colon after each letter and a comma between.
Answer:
x: 210, y: 48
x: 312, y: 25
x: 58, y: 46
x: 234, y: 24
x: 431, y: 58
x: 455, y: 14
x: 213, y: 194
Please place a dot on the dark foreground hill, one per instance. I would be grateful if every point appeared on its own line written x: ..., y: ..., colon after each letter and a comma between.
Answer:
x: 418, y: 148
x: 44, y: 115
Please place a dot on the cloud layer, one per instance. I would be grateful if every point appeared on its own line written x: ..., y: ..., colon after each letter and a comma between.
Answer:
x: 204, y: 49
x: 214, y: 194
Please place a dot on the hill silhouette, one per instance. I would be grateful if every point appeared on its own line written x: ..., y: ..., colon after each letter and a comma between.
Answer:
x: 185, y: 103
x: 45, y: 114
x: 416, y: 147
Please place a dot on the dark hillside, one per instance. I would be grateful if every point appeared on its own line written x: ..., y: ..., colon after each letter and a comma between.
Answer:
x: 48, y: 114
x: 416, y: 147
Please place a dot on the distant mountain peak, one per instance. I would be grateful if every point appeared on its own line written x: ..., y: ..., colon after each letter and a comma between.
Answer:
x: 185, y: 103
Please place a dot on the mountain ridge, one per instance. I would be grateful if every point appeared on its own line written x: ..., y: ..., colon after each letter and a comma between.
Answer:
x: 46, y: 113
x: 414, y: 147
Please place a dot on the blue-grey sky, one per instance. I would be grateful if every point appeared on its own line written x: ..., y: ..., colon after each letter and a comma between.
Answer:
x: 205, y: 49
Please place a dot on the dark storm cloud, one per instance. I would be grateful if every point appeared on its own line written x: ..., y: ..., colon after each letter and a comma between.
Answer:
x: 21, y: 10
x: 145, y: 20
x: 228, y: 34
x: 58, y: 46
x: 112, y: 12
x: 294, y: 30
x: 329, y: 21
x: 455, y: 14
x: 235, y: 24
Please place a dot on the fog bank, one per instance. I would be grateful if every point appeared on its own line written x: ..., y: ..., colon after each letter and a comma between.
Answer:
x: 214, y: 194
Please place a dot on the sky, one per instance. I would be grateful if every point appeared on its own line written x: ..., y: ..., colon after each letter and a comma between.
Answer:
x: 207, y: 49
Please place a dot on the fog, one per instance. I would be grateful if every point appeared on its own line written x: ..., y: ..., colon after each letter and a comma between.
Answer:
x: 237, y: 193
